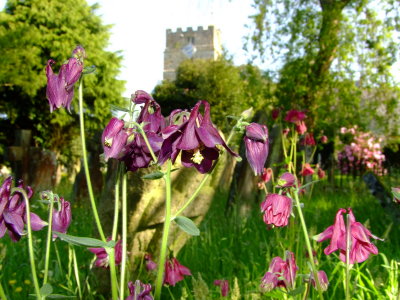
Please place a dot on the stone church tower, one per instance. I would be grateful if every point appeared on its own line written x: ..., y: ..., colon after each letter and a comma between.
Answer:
x: 181, y: 45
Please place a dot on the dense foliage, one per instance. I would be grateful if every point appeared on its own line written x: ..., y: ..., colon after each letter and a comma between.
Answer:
x: 31, y: 32
x: 336, y: 58
x: 229, y: 89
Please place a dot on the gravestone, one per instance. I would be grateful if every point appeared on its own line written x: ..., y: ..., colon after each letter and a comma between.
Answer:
x: 35, y: 166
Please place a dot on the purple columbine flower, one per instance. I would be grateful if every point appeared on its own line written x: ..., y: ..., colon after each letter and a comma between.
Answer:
x: 323, y: 280
x: 174, y: 272
x: 286, y: 180
x: 360, y: 244
x: 196, y: 138
x: 13, y: 211
x: 60, y: 87
x: 281, y: 273
x: 103, y: 260
x: 256, y: 141
x: 114, y: 138
x: 139, y: 291
x: 61, y: 217
x: 150, y: 264
x: 150, y: 114
x: 224, y: 285
x: 277, y: 210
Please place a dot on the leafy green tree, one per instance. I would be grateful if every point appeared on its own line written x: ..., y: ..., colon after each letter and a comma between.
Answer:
x: 228, y: 88
x: 33, y: 31
x: 336, y: 57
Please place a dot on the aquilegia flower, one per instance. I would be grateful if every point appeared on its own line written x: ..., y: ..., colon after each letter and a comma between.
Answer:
x: 277, y: 209
x: 295, y: 116
x: 60, y: 87
x: 257, y: 146
x: 139, y: 291
x: 286, y: 180
x: 322, y: 278
x: 174, y: 272
x: 103, y: 259
x: 150, y: 264
x: 301, y: 127
x: 360, y: 245
x: 61, y: 217
x: 307, y: 170
x: 224, y: 285
x: 196, y: 138
x: 114, y: 138
x: 281, y: 273
x: 13, y: 211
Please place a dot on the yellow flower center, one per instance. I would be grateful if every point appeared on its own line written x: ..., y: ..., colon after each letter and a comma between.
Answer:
x: 108, y: 142
x: 197, y: 158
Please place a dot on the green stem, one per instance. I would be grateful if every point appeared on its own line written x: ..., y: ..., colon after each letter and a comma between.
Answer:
x: 76, y: 272
x: 49, y: 236
x: 348, y: 244
x: 113, y: 273
x: 307, y: 240
x: 2, y: 294
x: 146, y: 140
x: 124, y: 234
x: 203, y: 181
x: 85, y: 162
x: 116, y: 205
x: 30, y: 240
x: 167, y: 223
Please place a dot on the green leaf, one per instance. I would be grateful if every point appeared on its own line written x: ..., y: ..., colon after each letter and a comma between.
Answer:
x: 84, y: 241
x: 307, y: 184
x: 187, y: 225
x: 396, y: 193
x: 297, y: 291
x: 89, y: 69
x: 46, y: 290
x: 58, y: 296
x: 153, y: 176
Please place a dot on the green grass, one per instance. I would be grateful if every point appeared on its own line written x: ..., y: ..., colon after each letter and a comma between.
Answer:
x: 240, y: 246
x: 232, y: 246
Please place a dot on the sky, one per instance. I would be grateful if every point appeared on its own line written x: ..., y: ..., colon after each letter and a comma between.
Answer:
x: 139, y: 31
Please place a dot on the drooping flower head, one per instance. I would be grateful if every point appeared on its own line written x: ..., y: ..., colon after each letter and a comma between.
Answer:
x: 174, y: 272
x: 301, y: 128
x: 13, y: 211
x: 60, y: 87
x: 324, y: 139
x: 322, y: 278
x: 195, y: 138
x: 286, y: 180
x: 103, y: 259
x: 114, y: 138
x: 150, y: 264
x: 360, y: 247
x: 307, y: 170
x: 139, y: 291
x: 224, y: 285
x: 281, y: 273
x: 321, y: 173
x: 257, y: 146
x: 277, y: 209
x: 275, y: 113
x: 61, y: 217
x: 295, y: 116
x: 308, y: 140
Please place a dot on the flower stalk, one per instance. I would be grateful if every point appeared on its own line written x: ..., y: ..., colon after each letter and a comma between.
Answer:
x: 30, y: 241
x: 167, y: 223
x: 124, y: 233
x: 85, y: 163
x: 307, y: 240
x: 50, y: 196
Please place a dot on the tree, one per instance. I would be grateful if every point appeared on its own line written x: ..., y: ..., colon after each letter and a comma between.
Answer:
x: 33, y: 31
x: 333, y: 53
x: 229, y: 89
